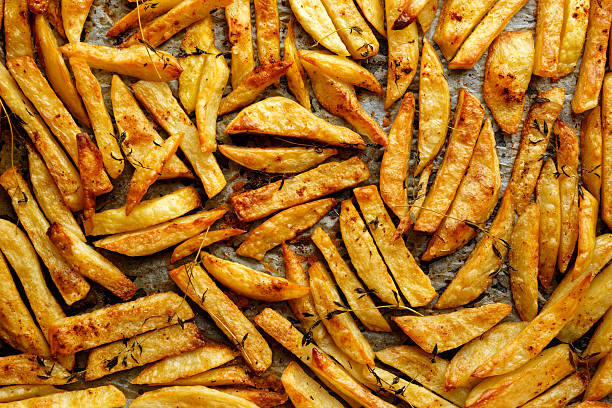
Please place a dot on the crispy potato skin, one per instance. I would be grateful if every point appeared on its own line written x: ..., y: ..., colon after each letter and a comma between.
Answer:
x: 267, y: 26
x: 144, y: 12
x: 575, y: 23
x: 37, y: 6
x: 228, y: 375
x: 303, y: 391
x: 601, y: 384
x: 17, y: 33
x: 549, y: 24
x: 548, y: 200
x: 606, y: 152
x: 410, y: 12
x: 261, y: 398
x: 26, y: 369
x: 169, y: 397
x: 296, y: 79
x: 192, y: 245
x: 107, y: 396
x: 591, y: 141
x: 562, y: 393
x: 374, y: 12
x: 427, y: 15
x: 601, y: 340
x: 277, y: 159
x: 74, y: 14
x: 238, y: 17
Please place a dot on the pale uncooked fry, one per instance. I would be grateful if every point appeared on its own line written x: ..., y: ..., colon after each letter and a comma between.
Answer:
x: 74, y: 14
x: 549, y: 23
x: 267, y: 26
x: 305, y: 392
x: 137, y: 61
x: 567, y: 166
x: 37, y: 89
x: 374, y: 12
x: 21, y: 392
x: 240, y: 36
x: 102, y: 125
x: 477, y: 351
x: 410, y: 10
x: 507, y: 75
x: 357, y: 296
x: 150, y: 169
x: 593, y: 64
x: 606, y: 152
x: 475, y: 199
x: 251, y: 283
x: 89, y: 263
x: 107, y: 396
x: 142, y: 349
x: 591, y: 141
x: 525, y: 383
x: 181, y: 16
x: 324, y: 179
x: 562, y: 393
x: 195, y: 395
x: 549, y: 204
x: 215, y: 74
x: 394, y: 163
x: 410, y: 279
x: 18, y: 38
x: 116, y: 322
x: 31, y: 369
x: 575, y: 22
x: 296, y: 79
x: 196, y: 284
x: 601, y: 341
x: 284, y: 226
x: 490, y: 27
x: 56, y: 69
x: 71, y: 285
x: 467, y: 122
x: 162, y: 105
x: 54, y: 14
x: 600, y: 384
x: 137, y: 134
x: 284, y: 117
x: 431, y: 332
x: 427, y: 15
x: 203, y: 240
x: 277, y: 159
x: 434, y: 107
x: 227, y: 375
x: 340, y: 99
x: 145, y: 11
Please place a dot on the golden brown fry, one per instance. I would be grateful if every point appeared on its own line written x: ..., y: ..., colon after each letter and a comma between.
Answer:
x: 410, y: 10
x: 203, y: 240
x: 74, y: 14
x: 606, y: 152
x: 195, y: 395
x: 601, y: 383
x: 261, y: 398
x: 240, y: 36
x: 54, y: 14
x: 587, y: 231
x: 296, y: 80
x: 144, y: 13
x: 601, y: 341
x: 267, y: 26
x: 20, y: 392
x: 549, y: 204
x: 17, y: 32
x: 374, y: 12
x: 305, y: 392
x: 228, y: 375
x: 427, y: 15
x: 107, y: 396
x: 417, y: 198
x: 277, y: 159
x: 575, y: 22
x: 591, y: 141
x: 31, y: 369
x: 549, y: 23
x: 562, y: 393
x: 37, y: 6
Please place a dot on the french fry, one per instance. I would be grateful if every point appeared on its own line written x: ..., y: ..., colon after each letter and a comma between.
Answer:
x: 374, y: 13
x: 549, y: 204
x: 600, y: 342
x: 519, y: 386
x: 490, y: 27
x: 56, y: 69
x: 410, y: 10
x: 284, y: 117
x: 202, y: 240
x: 261, y: 398
x: 296, y: 80
x: 176, y: 19
x: 587, y: 231
x: 238, y: 17
x: 562, y: 393
x: 467, y: 122
x: 324, y: 179
x: 196, y: 284
x: 590, y: 404
x: 606, y: 152
x: 144, y: 12
x: 158, y: 100
x: 20, y: 392
x: 305, y: 392
x: 37, y: 6
x: 251, y: 283
x: 427, y: 15
x: 74, y: 14
x: 142, y: 349
x: 32, y: 369
x: 112, y: 323
x: 284, y: 226
x: 101, y: 123
x: 475, y: 200
x: 417, y: 198
x: 507, y: 74
x: 410, y: 279
x: 228, y: 375
x: 89, y: 263
x: 70, y: 284
x: 18, y: 34
x: 357, y: 296
x: 575, y: 23
x: 277, y: 159
x: 433, y: 117
x: 549, y: 24
x: 194, y: 395
x: 601, y: 383
x: 107, y: 396
x: 147, y: 213
x: 54, y: 14
x: 268, y: 31
x: 591, y: 140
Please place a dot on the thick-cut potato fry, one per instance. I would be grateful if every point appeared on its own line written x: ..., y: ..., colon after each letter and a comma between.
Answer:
x: 93, y: 176
x: 364, y: 256
x: 575, y: 22
x: 467, y: 122
x: 158, y: 99
x: 267, y: 26
x: 296, y: 79
x: 17, y: 32
x: 203, y: 240
x: 549, y: 204
x: 549, y: 24
x: 189, y: 396
x: 427, y: 15
x: 56, y: 69
x: 32, y: 369
x: 142, y: 349
x: 147, y: 213
x: 21, y: 392
x: 410, y: 10
x: 587, y: 231
x: 562, y: 393
x: 284, y: 117
x: 107, y: 396
x: 434, y: 107
x: 590, y: 404
x: 74, y: 14
x: 137, y: 61
x: 475, y: 199
x: 374, y: 12
x: 70, y: 284
x: 101, y: 123
x: 521, y: 385
x: 146, y: 11
x: 240, y: 36
x: 417, y: 198
x: 431, y: 332
x: 411, y: 280
x: 277, y: 159
x: 284, y: 226
x: 313, y: 17
x: 591, y: 140
x: 507, y: 75
x: 228, y: 375
x: 154, y: 239
x: 487, y: 30
x: 112, y: 323
x: 601, y: 341
x: 324, y: 179
x: 251, y: 283
x: 606, y: 152
x: 196, y: 284
x: 54, y: 14
x: 89, y: 263
x: 181, y: 16
x: 261, y: 398
x: 601, y: 383
x: 305, y: 392
x: 357, y: 296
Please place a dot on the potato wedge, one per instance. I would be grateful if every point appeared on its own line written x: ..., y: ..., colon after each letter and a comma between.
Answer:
x: 267, y: 26
x: 549, y: 24
x: 483, y: 35
x: 202, y: 240
x: 144, y: 12
x: 54, y: 14
x: 562, y: 393
x: 591, y: 140
x: 17, y: 34
x: 601, y: 340
x: 431, y: 332
x: 575, y: 23
x: 549, y: 204
x: 411, y: 280
x: 70, y: 284
x: 196, y: 284
x: 74, y: 14
x: 519, y: 386
x: 410, y: 10
x: 262, y: 398
x: 590, y: 404
x: 324, y: 179
x: 374, y: 13
x: 296, y: 80
x: 475, y: 200
x: 238, y: 17
x: 277, y: 159
x: 507, y: 75
x: 158, y: 237
x: 284, y: 117
x: 427, y: 15
x: 32, y: 369
x: 606, y: 152
x: 158, y: 100
x: 600, y: 385
x: 467, y: 122
x: 227, y: 375
x: 284, y: 226
x: 107, y: 396
x: 195, y: 395
x: 587, y: 232
x: 142, y: 349
x: 20, y: 392
x: 305, y: 392
x: 416, y: 198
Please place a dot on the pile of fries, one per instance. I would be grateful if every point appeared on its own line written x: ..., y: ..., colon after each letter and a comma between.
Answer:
x: 548, y: 229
